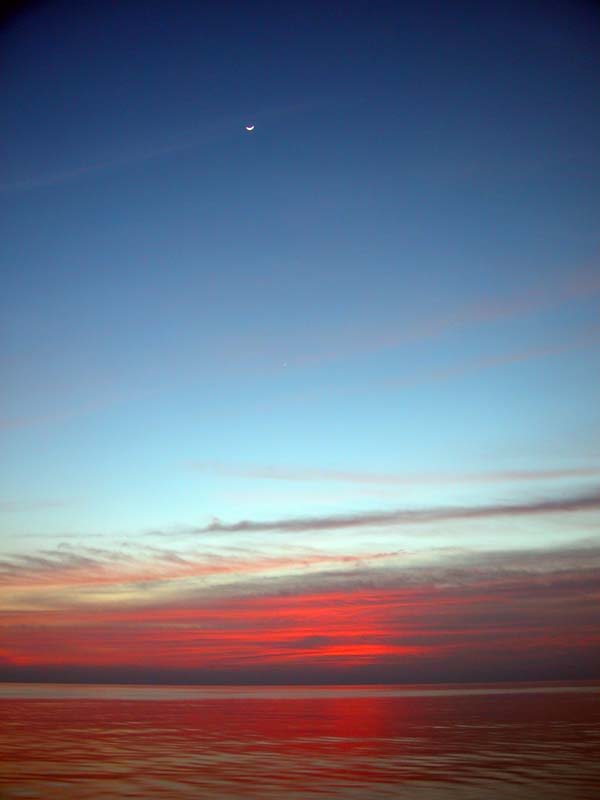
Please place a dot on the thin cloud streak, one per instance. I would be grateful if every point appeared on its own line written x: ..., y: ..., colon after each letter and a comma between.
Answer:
x: 80, y: 580
x: 204, y: 134
x: 579, y: 284
x: 589, y: 502
x: 278, y: 473
x: 66, y: 176
x: 586, y: 340
x: 99, y: 567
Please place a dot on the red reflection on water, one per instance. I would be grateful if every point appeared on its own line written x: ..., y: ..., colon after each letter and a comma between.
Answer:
x: 275, y: 747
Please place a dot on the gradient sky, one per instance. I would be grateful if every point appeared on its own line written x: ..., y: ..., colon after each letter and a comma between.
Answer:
x: 317, y: 402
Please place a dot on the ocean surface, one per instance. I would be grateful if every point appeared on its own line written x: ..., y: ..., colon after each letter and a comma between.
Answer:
x: 521, y: 741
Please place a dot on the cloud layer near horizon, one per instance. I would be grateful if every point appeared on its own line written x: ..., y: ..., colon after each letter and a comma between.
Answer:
x: 85, y: 608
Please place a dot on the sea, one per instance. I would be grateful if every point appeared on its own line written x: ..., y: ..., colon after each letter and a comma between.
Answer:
x: 467, y: 742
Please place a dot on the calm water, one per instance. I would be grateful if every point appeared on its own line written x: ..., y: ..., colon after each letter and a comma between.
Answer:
x: 497, y: 742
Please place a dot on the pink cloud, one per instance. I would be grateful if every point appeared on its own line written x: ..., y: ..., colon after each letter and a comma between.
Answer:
x: 302, y: 474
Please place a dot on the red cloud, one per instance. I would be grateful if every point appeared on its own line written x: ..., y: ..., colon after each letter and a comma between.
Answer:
x: 495, y: 618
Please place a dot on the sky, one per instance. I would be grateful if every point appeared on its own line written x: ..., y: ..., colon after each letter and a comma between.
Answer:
x: 317, y: 402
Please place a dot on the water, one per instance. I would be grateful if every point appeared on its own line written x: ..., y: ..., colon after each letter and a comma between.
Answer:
x: 61, y: 742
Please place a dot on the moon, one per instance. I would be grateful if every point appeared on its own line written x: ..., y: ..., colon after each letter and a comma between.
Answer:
x: 249, y: 127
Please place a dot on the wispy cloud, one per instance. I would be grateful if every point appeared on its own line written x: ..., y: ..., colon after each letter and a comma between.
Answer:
x: 86, y: 566
x: 586, y: 339
x: 306, y: 474
x: 203, y: 134
x: 584, y: 502
x: 466, y: 607
x: 290, y: 570
x: 578, y: 284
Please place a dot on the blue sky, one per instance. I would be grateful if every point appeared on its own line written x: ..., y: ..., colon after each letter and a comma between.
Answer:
x: 383, y: 298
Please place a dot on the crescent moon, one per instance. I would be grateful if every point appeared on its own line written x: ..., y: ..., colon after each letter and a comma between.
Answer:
x: 249, y: 127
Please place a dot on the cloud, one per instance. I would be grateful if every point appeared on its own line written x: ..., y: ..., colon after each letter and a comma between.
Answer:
x: 586, y: 339
x: 584, y: 502
x: 202, y: 134
x: 356, y: 340
x: 578, y: 284
x: 278, y: 473
x: 504, y: 609
x: 95, y: 567
x: 65, y: 572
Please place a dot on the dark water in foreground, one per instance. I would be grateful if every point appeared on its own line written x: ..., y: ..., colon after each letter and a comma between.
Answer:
x: 359, y: 743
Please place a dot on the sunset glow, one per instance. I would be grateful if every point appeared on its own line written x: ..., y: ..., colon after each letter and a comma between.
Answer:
x: 299, y: 336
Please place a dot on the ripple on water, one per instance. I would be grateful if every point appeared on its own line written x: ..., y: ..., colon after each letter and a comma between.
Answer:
x: 355, y: 744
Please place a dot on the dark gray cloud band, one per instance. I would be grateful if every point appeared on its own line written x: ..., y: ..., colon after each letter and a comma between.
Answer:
x: 583, y: 502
